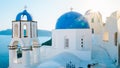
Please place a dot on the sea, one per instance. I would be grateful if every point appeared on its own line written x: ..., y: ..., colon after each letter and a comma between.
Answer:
x: 4, y: 53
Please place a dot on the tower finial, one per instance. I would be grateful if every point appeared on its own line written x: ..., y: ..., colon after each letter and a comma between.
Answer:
x: 71, y: 8
x: 25, y: 7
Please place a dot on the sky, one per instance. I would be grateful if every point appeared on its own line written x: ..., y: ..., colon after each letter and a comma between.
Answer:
x: 46, y: 12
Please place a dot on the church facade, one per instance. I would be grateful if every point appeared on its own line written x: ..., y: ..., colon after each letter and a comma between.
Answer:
x: 77, y: 42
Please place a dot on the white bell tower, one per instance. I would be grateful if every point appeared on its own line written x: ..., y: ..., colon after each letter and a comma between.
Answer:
x: 24, y: 49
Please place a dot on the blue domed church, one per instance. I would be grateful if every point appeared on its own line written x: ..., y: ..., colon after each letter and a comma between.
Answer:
x: 71, y: 43
x: 72, y: 32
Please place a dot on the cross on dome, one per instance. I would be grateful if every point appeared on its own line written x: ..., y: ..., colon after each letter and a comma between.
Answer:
x: 71, y: 8
x: 25, y: 7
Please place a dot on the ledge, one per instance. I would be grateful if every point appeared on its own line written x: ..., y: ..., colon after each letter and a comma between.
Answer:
x: 12, y: 47
x: 36, y: 46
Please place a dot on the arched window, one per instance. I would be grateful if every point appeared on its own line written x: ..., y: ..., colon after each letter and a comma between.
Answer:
x: 92, y: 31
x: 98, y: 20
x: 92, y: 20
x: 16, y: 30
x: 115, y: 38
x: 18, y: 52
x: 23, y: 17
x: 106, y: 36
x: 25, y: 31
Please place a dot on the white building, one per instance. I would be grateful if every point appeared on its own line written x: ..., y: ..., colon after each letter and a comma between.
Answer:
x: 105, y: 35
x: 112, y: 33
x: 77, y: 42
x: 71, y: 42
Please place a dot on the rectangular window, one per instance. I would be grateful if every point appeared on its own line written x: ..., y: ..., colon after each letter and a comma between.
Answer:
x: 92, y: 20
x: 115, y: 38
x: 66, y: 43
x: 106, y: 37
x: 92, y: 31
x: 81, y: 45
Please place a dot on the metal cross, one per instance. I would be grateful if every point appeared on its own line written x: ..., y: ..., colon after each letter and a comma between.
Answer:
x: 25, y: 7
x: 71, y: 8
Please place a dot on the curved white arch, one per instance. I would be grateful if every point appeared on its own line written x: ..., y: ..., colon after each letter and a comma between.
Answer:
x: 16, y: 41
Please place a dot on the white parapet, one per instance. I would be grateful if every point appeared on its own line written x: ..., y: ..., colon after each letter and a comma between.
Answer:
x: 26, y: 58
x: 36, y: 52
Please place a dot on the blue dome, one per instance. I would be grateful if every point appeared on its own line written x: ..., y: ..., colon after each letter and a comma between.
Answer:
x: 72, y: 20
x: 29, y: 17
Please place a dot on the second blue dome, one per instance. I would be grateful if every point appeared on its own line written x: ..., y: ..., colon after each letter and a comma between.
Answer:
x: 72, y: 20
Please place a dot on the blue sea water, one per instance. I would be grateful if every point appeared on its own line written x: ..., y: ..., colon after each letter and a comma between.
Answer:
x: 4, y: 53
x: 4, y: 42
